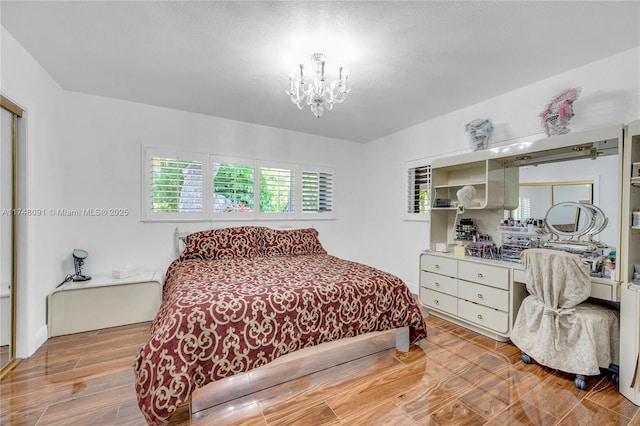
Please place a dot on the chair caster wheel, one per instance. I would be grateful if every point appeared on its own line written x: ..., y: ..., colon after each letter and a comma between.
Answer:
x: 525, y: 358
x: 580, y: 382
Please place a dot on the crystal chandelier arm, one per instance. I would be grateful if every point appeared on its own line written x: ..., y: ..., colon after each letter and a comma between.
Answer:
x: 297, y: 90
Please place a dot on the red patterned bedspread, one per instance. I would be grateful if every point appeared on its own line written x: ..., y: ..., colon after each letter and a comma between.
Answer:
x: 223, y: 317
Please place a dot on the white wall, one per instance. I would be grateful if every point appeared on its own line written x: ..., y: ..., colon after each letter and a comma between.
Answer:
x: 103, y: 139
x: 42, y: 184
x: 610, y: 95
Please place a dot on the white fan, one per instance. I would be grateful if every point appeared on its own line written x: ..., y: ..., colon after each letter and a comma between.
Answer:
x: 465, y: 195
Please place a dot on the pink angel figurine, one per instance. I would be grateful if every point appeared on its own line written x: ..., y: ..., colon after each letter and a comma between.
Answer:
x: 556, y: 116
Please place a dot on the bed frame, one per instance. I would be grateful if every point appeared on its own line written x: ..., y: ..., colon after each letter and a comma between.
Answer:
x: 294, y: 365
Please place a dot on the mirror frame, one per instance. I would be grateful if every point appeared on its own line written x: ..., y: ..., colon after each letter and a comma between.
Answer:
x: 549, y: 192
x: 16, y: 113
x: 598, y: 215
x: 596, y: 220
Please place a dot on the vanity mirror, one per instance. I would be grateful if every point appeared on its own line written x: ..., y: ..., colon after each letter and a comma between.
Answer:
x: 569, y: 221
x: 573, y: 220
x: 583, y: 181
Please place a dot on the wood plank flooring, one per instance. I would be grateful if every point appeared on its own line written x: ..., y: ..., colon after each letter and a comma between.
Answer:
x: 454, y: 377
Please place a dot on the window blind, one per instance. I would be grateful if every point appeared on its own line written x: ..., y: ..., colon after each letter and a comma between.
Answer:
x: 176, y: 185
x: 419, y: 189
x: 233, y: 187
x: 317, y: 192
x: 276, y: 190
x: 190, y: 186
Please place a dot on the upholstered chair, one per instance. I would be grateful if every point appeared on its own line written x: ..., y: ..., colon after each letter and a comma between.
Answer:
x: 556, y: 327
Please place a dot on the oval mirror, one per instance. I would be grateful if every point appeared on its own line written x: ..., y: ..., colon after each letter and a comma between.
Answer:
x: 600, y: 221
x: 570, y: 219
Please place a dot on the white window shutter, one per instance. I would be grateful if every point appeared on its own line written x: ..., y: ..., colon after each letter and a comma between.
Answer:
x: 277, y: 190
x: 233, y: 185
x: 174, y: 184
x: 317, y: 192
x: 419, y: 189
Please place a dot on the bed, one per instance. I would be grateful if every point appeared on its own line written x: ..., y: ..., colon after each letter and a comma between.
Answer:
x: 239, y: 298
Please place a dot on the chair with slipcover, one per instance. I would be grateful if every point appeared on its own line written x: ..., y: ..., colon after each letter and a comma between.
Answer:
x: 556, y: 327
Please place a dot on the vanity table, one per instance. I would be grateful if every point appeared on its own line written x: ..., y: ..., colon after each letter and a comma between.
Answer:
x: 482, y: 294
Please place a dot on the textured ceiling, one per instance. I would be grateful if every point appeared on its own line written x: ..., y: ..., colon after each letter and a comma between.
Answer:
x: 409, y: 61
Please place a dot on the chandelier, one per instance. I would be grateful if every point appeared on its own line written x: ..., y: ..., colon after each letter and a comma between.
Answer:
x: 316, y: 93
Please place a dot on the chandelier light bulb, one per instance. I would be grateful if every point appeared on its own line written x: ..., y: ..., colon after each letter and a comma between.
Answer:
x: 315, y: 92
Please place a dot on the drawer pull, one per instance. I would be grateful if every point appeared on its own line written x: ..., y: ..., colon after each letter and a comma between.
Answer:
x: 437, y: 284
x: 480, y: 296
x: 480, y: 275
x: 437, y: 302
x: 479, y: 317
x: 436, y: 266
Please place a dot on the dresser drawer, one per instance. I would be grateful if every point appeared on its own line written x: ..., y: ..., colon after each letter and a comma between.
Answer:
x: 486, y: 317
x: 440, y: 301
x: 484, y: 295
x: 519, y: 276
x: 439, y: 265
x: 602, y: 291
x: 494, y: 276
x: 440, y: 283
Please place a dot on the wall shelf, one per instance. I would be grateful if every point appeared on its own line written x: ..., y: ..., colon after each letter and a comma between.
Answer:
x: 496, y: 189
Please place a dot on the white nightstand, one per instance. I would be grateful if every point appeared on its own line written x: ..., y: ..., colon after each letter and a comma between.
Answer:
x: 103, y: 302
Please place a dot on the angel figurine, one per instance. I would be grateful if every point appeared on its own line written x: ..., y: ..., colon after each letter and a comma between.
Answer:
x: 479, y: 131
x: 556, y: 116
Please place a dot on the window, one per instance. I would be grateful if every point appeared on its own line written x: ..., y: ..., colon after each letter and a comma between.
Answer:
x: 199, y: 187
x: 177, y: 185
x: 233, y: 187
x: 419, y: 190
x: 173, y: 184
x: 276, y: 190
x: 316, y: 192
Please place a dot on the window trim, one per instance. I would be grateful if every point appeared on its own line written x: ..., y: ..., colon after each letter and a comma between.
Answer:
x: 208, y: 215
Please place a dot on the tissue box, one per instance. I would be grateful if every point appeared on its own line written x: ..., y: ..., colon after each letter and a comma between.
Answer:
x: 459, y: 250
x: 126, y: 272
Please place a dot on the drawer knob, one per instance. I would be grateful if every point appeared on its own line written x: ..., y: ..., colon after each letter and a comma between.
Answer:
x: 437, y: 302
x: 480, y: 296
x: 437, y: 266
x: 479, y: 317
x: 437, y: 284
x: 479, y: 275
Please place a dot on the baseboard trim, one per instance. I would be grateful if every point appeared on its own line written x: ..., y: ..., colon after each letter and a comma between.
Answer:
x: 40, y: 337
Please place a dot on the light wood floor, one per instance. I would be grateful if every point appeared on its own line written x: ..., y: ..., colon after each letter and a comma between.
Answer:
x: 454, y: 377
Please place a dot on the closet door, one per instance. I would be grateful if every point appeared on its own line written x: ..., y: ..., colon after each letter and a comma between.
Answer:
x: 8, y: 225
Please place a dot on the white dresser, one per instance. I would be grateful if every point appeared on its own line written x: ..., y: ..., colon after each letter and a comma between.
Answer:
x: 103, y: 302
x: 483, y: 295
x: 476, y: 294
